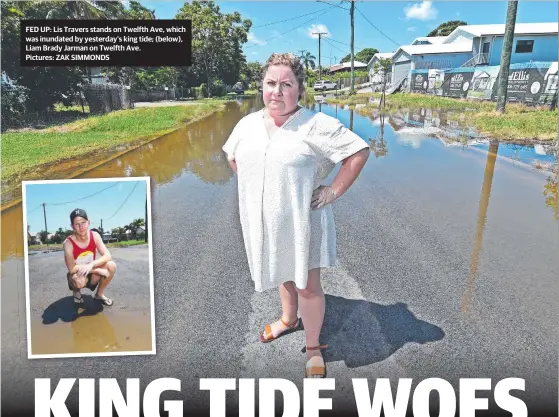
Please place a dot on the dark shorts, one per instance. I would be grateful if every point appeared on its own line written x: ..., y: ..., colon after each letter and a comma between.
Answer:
x: 89, y: 285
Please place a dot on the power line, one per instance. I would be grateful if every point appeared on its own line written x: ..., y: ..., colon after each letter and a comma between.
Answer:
x: 378, y: 30
x: 124, y: 202
x: 83, y: 198
x: 281, y: 34
x: 346, y: 44
x: 40, y: 205
x: 287, y: 20
x: 334, y: 46
x: 333, y: 5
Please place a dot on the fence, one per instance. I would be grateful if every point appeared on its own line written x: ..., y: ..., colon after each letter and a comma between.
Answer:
x: 105, y: 98
x: 346, y: 82
x: 532, y: 83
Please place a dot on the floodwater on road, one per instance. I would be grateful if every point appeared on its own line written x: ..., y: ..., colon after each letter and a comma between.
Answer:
x: 398, y: 138
x: 91, y: 332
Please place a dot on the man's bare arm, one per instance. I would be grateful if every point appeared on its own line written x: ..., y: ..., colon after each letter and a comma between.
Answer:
x: 103, y: 251
x: 69, y: 257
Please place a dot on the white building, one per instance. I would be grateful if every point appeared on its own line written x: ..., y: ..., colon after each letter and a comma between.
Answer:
x: 376, y: 76
x: 472, y: 45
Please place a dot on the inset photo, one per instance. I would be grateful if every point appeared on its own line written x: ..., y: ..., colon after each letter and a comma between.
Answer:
x: 88, y: 267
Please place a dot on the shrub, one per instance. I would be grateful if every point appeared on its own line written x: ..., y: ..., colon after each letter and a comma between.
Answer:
x: 14, y: 100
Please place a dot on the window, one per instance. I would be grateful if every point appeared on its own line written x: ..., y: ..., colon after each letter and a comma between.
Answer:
x: 524, y: 47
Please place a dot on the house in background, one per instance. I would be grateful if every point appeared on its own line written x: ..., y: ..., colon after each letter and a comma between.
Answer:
x: 33, y: 238
x: 532, y: 42
x: 346, y: 67
x: 437, y: 56
x: 474, y: 45
x: 375, y: 77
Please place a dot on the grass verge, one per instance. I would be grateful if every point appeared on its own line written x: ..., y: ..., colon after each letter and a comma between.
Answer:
x: 26, y: 150
x: 518, y: 123
x: 58, y: 246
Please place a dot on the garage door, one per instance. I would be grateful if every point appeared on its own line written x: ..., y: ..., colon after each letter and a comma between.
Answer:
x: 401, y: 69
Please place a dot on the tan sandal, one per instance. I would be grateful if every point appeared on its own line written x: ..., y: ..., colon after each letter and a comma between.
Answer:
x: 316, y: 371
x: 267, y: 335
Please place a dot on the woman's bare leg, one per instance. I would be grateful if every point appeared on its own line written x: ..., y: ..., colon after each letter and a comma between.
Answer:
x: 312, y: 307
x: 288, y: 295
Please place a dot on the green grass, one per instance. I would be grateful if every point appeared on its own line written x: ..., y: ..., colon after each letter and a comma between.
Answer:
x: 59, y: 107
x: 126, y: 243
x: 519, y: 122
x: 24, y: 151
x: 58, y: 246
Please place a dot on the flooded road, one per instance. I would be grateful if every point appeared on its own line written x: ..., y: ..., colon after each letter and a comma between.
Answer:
x: 448, y: 266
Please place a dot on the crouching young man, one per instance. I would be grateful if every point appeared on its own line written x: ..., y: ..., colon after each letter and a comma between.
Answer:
x: 84, y: 270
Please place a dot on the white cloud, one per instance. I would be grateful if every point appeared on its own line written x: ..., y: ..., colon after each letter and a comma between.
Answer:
x: 421, y: 11
x: 254, y: 53
x: 411, y: 29
x: 253, y: 39
x: 315, y: 28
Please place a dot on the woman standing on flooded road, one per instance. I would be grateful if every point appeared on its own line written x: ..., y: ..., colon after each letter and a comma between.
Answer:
x: 281, y: 154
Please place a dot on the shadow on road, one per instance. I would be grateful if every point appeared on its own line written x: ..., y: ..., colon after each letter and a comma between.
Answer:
x: 361, y: 333
x: 66, y: 311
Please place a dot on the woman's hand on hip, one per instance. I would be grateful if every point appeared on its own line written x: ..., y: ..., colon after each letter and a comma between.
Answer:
x: 322, y: 196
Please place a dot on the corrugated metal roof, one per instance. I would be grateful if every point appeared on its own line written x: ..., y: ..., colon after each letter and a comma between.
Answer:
x: 381, y: 55
x: 432, y: 39
x: 356, y: 64
x: 442, y: 48
x: 519, y: 29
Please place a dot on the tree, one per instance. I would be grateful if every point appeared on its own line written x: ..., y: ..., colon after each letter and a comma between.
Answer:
x: 217, y: 40
x: 308, y: 60
x: 45, y: 85
x: 43, y: 236
x: 251, y: 72
x: 138, y: 12
x: 446, y: 28
x: 364, y: 55
x: 383, y: 67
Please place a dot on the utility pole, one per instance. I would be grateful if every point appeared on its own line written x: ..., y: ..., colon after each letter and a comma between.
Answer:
x: 46, y: 230
x: 352, y: 14
x: 505, y: 56
x: 102, y: 228
x: 319, y: 38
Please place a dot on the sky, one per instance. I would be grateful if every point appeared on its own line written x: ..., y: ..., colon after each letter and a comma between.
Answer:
x: 399, y: 21
x: 100, y: 206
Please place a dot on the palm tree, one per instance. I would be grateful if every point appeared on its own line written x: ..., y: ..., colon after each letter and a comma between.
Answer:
x: 308, y: 60
x: 133, y: 227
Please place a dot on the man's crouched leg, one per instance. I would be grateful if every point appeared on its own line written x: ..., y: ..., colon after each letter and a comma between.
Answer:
x: 104, y: 282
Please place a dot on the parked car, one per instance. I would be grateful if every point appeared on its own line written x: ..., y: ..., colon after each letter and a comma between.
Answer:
x: 324, y: 85
x: 238, y: 88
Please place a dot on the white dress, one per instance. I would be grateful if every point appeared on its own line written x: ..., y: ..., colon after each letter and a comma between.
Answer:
x: 277, y: 175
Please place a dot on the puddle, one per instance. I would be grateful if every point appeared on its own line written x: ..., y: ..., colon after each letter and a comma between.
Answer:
x: 102, y: 332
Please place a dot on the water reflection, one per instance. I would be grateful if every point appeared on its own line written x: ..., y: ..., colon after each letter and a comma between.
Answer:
x: 378, y: 145
x: 481, y: 221
x: 550, y: 193
x: 195, y: 148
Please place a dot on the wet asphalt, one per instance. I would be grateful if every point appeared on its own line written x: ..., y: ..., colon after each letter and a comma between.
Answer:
x: 404, y: 302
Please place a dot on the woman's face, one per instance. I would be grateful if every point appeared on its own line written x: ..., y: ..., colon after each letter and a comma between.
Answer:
x: 280, y: 90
